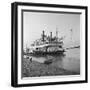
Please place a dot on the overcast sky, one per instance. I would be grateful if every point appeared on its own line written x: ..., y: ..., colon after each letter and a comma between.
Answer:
x: 35, y: 22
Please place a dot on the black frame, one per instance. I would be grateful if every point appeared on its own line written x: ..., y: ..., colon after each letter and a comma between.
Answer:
x: 14, y: 43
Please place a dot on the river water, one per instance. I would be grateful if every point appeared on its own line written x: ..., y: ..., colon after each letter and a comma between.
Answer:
x: 69, y: 61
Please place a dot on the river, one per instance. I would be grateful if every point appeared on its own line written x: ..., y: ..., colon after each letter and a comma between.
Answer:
x: 69, y: 61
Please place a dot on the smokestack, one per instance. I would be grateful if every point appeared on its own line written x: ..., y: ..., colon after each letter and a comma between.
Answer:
x: 51, y: 35
x: 43, y: 34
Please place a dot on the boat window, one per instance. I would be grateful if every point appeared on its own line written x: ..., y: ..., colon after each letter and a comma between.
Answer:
x: 36, y: 48
x: 60, y: 46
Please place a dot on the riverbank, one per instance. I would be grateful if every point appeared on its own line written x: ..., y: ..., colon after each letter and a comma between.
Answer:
x: 37, y: 69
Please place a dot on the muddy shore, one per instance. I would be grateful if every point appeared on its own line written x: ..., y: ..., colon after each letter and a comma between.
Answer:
x: 37, y: 69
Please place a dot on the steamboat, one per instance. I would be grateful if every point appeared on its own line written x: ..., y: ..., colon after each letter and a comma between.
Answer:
x: 47, y: 45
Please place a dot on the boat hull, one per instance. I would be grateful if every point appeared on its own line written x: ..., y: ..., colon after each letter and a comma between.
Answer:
x: 47, y: 53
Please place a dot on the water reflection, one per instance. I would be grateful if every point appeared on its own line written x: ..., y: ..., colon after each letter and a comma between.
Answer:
x: 69, y: 61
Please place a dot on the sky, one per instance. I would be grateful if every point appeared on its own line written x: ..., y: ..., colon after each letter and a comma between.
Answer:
x: 35, y: 22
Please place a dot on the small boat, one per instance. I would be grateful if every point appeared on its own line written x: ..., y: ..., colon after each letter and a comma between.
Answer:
x: 48, y: 61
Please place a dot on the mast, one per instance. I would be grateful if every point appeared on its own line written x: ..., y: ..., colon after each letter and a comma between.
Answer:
x: 56, y: 34
x: 56, y: 37
x: 71, y: 31
x: 71, y: 34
